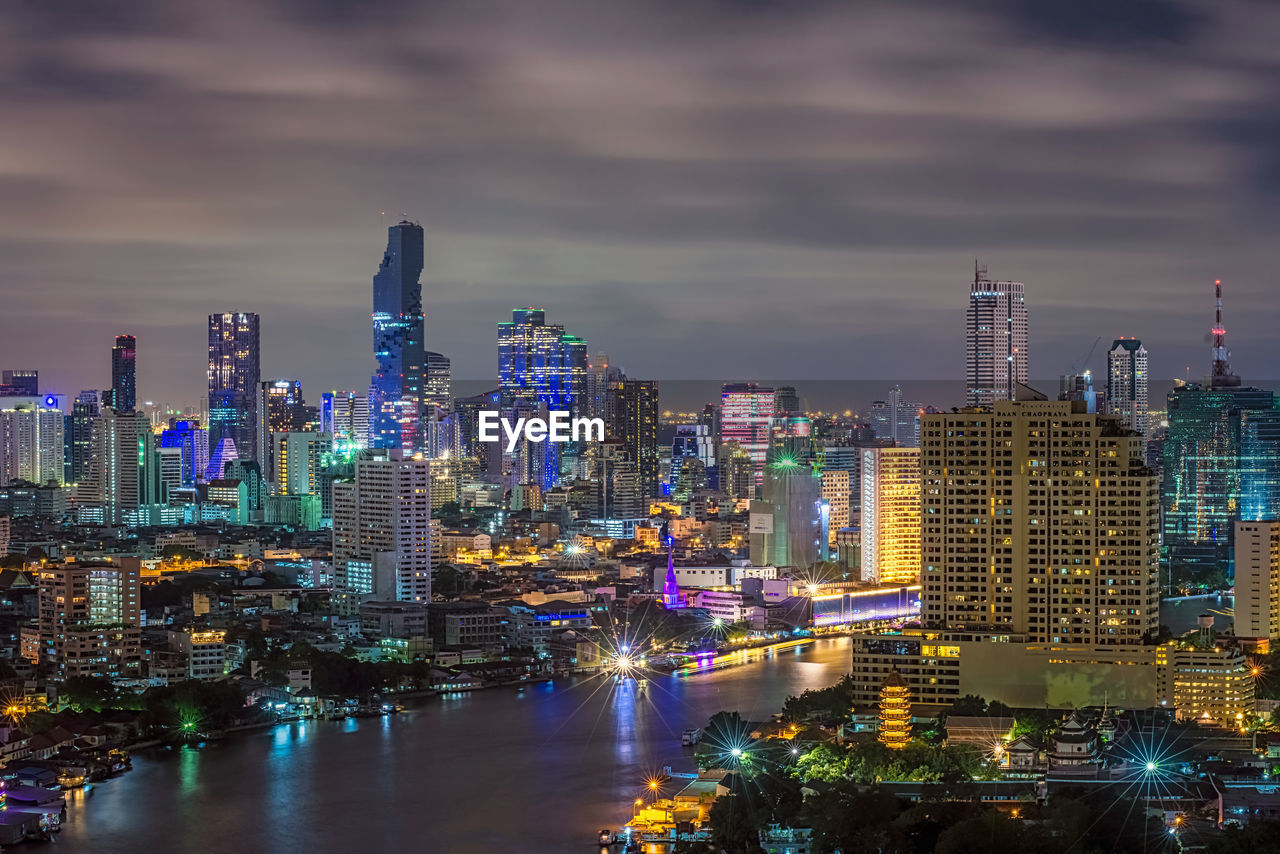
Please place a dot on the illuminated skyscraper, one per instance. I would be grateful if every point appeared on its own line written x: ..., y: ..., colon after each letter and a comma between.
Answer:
x: 540, y: 363
x: 1221, y: 462
x: 746, y: 410
x: 891, y: 515
x: 280, y: 410
x: 193, y: 444
x: 31, y: 440
x: 79, y: 438
x: 1127, y: 383
x: 996, y: 340
x: 125, y: 472
x: 399, y: 343
x: 234, y: 381
x: 123, y: 394
x: 19, y: 383
x: 692, y: 441
x: 345, y: 415
x: 439, y: 381
x: 635, y: 424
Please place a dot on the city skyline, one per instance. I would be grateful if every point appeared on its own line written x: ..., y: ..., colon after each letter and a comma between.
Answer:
x: 851, y: 188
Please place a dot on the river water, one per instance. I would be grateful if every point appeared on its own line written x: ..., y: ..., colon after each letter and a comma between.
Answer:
x: 491, y: 771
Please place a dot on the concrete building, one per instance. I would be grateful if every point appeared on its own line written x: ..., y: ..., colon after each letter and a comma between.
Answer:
x: 382, y: 533
x: 891, y: 515
x: 471, y: 624
x: 746, y: 412
x: 530, y: 626
x: 124, y: 472
x: 1257, y: 602
x: 205, y: 652
x: 788, y: 525
x: 90, y: 620
x: 299, y: 458
x: 996, y: 341
x: 835, y: 493
x: 1207, y: 683
x: 394, y: 619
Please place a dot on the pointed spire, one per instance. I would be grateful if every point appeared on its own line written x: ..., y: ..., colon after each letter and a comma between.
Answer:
x: 670, y: 587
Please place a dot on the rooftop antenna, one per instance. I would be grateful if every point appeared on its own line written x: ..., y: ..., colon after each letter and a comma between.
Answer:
x: 1220, y: 376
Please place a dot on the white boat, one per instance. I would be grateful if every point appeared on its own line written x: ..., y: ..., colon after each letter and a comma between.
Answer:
x: 691, y: 737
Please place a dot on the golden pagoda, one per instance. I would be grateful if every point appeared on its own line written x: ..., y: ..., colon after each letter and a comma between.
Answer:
x: 895, y: 712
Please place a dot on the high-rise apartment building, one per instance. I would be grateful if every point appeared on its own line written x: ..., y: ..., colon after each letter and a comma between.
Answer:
x: 891, y: 515
x: 835, y: 493
x: 746, y: 413
x: 692, y: 441
x: 1127, y: 383
x: 540, y: 363
x: 31, y: 441
x: 1257, y: 602
x: 281, y: 409
x: 996, y: 340
x: 382, y: 532
x: 635, y: 425
x: 345, y: 415
x: 234, y: 383
x: 399, y: 343
x: 90, y: 619
x: 1038, y: 519
x: 123, y: 394
x: 788, y: 526
x: 299, y: 461
x: 736, y: 471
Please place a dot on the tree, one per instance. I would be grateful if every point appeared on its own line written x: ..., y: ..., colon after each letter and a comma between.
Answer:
x: 1256, y: 837
x: 88, y: 692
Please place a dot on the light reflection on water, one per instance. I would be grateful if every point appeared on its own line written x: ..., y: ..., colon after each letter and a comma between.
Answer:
x: 490, y: 771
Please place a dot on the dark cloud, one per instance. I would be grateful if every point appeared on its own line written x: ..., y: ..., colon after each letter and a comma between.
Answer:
x: 718, y: 188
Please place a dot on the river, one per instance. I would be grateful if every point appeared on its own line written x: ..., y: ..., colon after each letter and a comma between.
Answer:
x: 491, y: 771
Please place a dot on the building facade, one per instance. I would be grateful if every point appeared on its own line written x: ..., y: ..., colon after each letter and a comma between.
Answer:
x: 997, y: 341
x: 234, y: 382
x: 398, y: 385
x: 1127, y: 383
x: 891, y: 515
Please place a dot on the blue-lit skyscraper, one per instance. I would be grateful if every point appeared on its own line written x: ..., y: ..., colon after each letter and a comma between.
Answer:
x: 194, y: 444
x: 399, y: 335
x: 234, y: 380
x: 540, y: 363
x: 1221, y: 463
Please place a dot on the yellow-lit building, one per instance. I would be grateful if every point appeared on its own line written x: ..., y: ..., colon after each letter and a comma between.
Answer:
x: 890, y: 515
x: 895, y: 712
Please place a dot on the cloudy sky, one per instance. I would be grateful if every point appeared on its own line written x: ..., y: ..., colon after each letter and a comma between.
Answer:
x: 701, y: 188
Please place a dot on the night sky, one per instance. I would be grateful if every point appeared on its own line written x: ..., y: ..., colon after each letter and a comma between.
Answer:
x: 701, y: 189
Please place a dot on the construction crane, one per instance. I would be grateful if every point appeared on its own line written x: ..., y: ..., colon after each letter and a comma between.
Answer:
x: 1088, y: 356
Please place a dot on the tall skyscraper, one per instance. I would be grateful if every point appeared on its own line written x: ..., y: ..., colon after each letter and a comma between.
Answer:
x: 299, y: 460
x: 746, y: 411
x: 891, y: 515
x: 541, y: 363
x: 399, y: 343
x: 439, y: 380
x: 31, y: 441
x: 193, y: 443
x: 382, y: 533
x: 79, y: 427
x: 1038, y: 519
x: 125, y: 472
x: 835, y: 492
x: 1127, y: 383
x: 345, y: 415
x: 281, y: 409
x: 996, y: 340
x: 692, y: 441
x: 234, y: 381
x: 123, y: 394
x: 1221, y: 462
x: 635, y: 424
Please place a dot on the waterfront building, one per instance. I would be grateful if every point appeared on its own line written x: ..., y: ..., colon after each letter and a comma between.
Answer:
x: 531, y: 626
x: 124, y: 475
x: 788, y: 525
x: 1221, y: 463
x: 79, y: 434
x: 32, y: 446
x: 89, y: 621
x: 439, y: 381
x: 746, y: 414
x: 895, y: 420
x: 1038, y: 518
x: 1127, y: 383
x: 123, y: 394
x: 539, y: 363
x: 397, y: 388
x: 890, y: 517
x: 1257, y: 583
x: 234, y: 383
x: 635, y: 425
x: 997, y: 342
x: 382, y: 533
